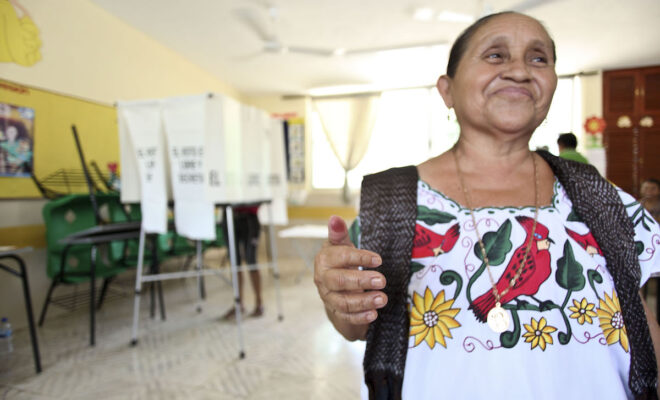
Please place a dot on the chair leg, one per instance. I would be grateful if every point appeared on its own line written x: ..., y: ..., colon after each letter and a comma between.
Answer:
x: 47, y: 301
x: 152, y: 300
x: 202, y: 288
x: 104, y: 290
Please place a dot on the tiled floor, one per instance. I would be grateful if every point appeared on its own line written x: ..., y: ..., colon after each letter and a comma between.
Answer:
x: 190, y: 355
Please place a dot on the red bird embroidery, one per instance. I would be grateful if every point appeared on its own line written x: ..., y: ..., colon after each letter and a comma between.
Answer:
x: 429, y: 244
x: 535, y: 271
x: 586, y: 241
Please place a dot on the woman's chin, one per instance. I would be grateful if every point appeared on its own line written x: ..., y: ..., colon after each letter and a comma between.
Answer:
x: 515, y: 125
x: 514, y: 119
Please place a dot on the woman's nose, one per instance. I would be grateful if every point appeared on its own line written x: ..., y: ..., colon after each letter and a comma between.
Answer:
x: 516, y: 69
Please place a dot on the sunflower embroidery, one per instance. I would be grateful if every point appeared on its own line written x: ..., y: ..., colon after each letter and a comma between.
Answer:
x: 539, y: 333
x: 432, y: 318
x: 611, y: 321
x: 583, y: 311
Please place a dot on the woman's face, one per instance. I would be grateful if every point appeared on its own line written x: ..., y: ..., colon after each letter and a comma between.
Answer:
x: 12, y: 133
x: 506, y: 78
x: 650, y: 190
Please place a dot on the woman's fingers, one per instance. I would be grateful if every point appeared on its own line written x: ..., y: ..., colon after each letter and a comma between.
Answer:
x: 341, y: 280
x: 354, y: 302
x: 355, y: 308
x: 333, y: 256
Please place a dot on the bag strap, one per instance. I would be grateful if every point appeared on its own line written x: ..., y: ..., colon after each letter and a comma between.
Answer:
x: 598, y: 204
x: 388, y: 209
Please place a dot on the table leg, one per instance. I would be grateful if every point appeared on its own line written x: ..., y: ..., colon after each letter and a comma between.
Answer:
x: 138, y: 289
x: 92, y: 294
x: 28, y: 306
x: 22, y: 273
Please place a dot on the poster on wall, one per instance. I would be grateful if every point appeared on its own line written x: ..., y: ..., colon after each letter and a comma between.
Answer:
x: 295, y: 137
x: 16, y: 140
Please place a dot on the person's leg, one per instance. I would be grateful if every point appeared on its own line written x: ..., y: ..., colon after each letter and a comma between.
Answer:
x: 251, y: 248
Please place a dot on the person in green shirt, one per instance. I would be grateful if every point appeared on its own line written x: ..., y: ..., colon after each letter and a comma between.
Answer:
x: 567, y: 143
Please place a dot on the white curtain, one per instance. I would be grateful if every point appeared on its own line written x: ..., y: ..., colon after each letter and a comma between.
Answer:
x: 347, y: 122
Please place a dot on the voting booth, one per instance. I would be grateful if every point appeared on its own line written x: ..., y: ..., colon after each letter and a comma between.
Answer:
x: 197, y: 153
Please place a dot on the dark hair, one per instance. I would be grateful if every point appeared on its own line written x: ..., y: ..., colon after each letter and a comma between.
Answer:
x: 461, y: 43
x: 652, y: 180
x: 567, y: 140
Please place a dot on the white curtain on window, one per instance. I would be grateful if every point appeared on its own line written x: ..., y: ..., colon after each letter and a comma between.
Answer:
x: 347, y: 122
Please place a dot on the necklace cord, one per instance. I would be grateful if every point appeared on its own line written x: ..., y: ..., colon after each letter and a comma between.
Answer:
x: 512, y: 282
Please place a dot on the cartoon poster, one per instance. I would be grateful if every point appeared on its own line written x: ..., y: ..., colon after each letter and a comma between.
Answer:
x: 16, y: 140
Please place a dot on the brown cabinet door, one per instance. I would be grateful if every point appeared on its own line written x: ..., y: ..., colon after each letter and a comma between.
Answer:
x: 632, y: 148
x: 650, y: 91
x: 619, y: 89
x: 619, y: 153
x: 649, y: 153
x: 649, y: 124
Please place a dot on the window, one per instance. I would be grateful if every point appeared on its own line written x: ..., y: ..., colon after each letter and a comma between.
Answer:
x: 414, y: 125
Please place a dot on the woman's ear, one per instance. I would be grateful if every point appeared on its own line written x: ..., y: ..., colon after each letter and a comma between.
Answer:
x: 443, y: 85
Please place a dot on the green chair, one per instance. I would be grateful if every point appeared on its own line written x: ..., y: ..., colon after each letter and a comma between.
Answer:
x: 71, y: 264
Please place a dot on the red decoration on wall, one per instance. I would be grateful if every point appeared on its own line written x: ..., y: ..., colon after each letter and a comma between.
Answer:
x: 594, y: 125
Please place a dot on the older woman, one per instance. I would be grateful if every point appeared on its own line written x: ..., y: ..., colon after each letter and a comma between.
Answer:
x: 491, y: 271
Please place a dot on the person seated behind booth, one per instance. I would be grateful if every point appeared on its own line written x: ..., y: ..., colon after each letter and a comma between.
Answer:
x: 246, y: 234
x: 491, y: 271
x: 567, y: 143
x: 650, y: 197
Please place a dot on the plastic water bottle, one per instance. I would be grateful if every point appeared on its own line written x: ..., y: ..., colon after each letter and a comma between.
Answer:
x: 6, y: 345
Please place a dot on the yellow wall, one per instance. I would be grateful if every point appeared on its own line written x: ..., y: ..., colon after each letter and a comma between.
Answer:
x: 54, y: 143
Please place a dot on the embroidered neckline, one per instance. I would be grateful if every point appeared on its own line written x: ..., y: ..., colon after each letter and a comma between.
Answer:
x: 556, y: 188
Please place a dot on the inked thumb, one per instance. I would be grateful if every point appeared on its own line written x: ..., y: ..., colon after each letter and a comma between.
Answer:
x: 338, y: 232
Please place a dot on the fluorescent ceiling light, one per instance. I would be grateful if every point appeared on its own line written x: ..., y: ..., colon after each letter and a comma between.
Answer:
x: 339, y: 52
x: 423, y: 13
x: 450, y: 16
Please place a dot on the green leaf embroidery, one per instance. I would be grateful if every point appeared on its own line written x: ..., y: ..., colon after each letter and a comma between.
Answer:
x: 449, y: 277
x: 432, y: 217
x: 640, y: 216
x: 639, y: 248
x: 354, y: 232
x: 497, y: 245
x: 569, y: 272
x: 573, y: 217
x: 594, y: 276
x: 415, y: 266
x: 510, y: 338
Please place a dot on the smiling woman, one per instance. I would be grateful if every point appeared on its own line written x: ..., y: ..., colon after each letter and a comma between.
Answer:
x: 470, y: 259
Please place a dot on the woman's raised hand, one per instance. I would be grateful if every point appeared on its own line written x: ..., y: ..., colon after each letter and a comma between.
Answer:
x: 351, y: 296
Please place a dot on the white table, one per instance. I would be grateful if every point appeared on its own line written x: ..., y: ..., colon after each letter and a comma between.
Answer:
x: 307, y: 241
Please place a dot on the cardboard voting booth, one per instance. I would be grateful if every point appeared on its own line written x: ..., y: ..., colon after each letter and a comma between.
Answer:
x: 199, y: 152
x: 144, y: 162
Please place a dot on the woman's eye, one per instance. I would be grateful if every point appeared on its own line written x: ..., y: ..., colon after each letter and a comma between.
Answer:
x: 539, y: 59
x: 494, y: 56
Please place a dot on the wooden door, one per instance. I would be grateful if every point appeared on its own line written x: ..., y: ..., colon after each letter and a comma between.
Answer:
x: 620, y: 141
x: 649, y: 123
x: 631, y: 109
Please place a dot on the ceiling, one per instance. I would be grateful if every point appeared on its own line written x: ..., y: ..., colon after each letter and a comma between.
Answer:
x: 244, y: 42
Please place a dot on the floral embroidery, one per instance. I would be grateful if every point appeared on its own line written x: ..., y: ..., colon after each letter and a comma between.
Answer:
x: 539, y: 333
x: 582, y: 311
x: 611, y: 321
x: 432, y: 318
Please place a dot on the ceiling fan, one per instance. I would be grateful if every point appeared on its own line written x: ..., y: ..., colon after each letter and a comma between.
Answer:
x: 263, y: 26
